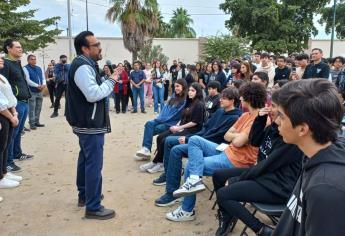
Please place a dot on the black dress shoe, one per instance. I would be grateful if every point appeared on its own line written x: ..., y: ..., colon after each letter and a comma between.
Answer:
x: 225, y: 223
x: 55, y: 114
x: 81, y: 202
x: 39, y: 125
x: 33, y: 127
x: 101, y: 214
x: 265, y: 231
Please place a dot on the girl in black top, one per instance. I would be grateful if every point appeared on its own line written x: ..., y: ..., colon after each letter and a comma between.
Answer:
x: 192, y: 119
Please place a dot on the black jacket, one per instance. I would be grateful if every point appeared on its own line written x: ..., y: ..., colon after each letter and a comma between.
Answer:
x: 313, y: 71
x: 317, y: 205
x: 212, y: 104
x: 85, y: 117
x: 281, y: 74
x: 279, y: 164
x: 14, y: 73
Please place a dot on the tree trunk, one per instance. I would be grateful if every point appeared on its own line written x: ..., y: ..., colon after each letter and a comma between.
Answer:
x: 134, y: 56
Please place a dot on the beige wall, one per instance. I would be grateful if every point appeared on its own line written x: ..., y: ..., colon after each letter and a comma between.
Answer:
x: 186, y: 50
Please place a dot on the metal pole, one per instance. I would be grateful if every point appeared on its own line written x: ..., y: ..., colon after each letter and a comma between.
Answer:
x: 87, y: 16
x: 69, y: 32
x: 333, y: 26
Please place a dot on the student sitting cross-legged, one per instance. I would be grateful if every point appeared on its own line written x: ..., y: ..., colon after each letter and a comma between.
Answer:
x: 270, y: 181
x: 168, y: 117
x: 176, y: 147
x: 204, y: 157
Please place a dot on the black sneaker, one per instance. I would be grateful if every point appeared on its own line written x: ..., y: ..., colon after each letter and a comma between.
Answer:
x: 13, y: 168
x: 39, y: 125
x: 167, y: 200
x: 33, y: 127
x: 144, y: 112
x: 55, y: 114
x: 24, y: 157
x: 225, y: 223
x: 161, y: 180
x: 102, y: 214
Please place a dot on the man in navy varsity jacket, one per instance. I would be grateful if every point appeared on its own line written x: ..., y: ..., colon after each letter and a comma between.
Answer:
x: 87, y: 114
x: 35, y: 78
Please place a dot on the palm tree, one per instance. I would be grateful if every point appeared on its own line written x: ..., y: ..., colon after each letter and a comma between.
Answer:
x: 138, y: 20
x: 180, y: 24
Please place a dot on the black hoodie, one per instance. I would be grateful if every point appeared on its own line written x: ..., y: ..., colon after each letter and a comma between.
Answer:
x: 279, y: 164
x: 317, y: 205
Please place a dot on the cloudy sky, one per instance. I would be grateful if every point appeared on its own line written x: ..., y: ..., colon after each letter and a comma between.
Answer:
x: 208, y: 19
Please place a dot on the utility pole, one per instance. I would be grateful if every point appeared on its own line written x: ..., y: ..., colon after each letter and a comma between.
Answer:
x: 87, y: 16
x: 333, y: 26
x: 69, y: 32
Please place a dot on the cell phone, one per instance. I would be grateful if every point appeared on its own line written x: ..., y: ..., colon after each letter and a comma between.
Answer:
x: 293, y: 69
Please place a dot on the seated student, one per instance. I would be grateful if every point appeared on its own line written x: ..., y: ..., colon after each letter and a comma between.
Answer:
x: 168, y: 117
x: 270, y: 181
x: 192, y: 119
x: 213, y: 99
x: 310, y: 114
x: 174, y: 149
x: 204, y: 157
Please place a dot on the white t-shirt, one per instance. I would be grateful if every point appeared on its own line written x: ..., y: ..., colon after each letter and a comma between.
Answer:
x: 8, y: 99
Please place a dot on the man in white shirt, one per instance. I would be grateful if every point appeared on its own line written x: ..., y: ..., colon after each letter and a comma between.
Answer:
x: 35, y: 78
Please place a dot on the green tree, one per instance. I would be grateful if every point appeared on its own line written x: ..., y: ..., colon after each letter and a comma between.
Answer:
x: 225, y: 48
x: 327, y: 18
x: 149, y: 53
x: 180, y: 24
x: 138, y: 21
x: 164, y: 29
x: 20, y: 25
x: 277, y: 26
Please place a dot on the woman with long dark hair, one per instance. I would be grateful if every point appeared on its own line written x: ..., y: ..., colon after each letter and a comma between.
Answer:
x: 168, y: 117
x: 192, y: 119
x: 157, y: 87
x: 218, y: 74
x: 246, y: 71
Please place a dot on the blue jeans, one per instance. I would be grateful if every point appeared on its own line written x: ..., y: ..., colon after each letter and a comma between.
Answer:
x: 35, y: 107
x: 15, y: 148
x: 89, y: 170
x: 158, y: 96
x: 173, y: 167
x: 203, y: 159
x: 152, y: 128
x: 138, y: 92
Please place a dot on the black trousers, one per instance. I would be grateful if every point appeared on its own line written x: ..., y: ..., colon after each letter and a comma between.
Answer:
x: 129, y: 94
x: 59, y: 90
x: 51, y: 89
x: 229, y: 198
x: 5, y: 138
x: 120, y: 98
x: 166, y: 90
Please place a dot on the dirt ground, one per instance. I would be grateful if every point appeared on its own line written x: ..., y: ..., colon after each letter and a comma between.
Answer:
x: 46, y: 201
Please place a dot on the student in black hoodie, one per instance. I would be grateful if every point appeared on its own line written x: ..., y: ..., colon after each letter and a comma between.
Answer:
x: 270, y: 181
x: 212, y: 101
x: 310, y: 114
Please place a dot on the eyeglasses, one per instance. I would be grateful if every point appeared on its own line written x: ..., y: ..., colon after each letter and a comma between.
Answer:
x: 97, y: 45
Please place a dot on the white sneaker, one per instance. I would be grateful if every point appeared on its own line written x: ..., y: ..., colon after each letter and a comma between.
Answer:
x: 14, y: 177
x: 1, y: 199
x: 159, y: 167
x: 7, y: 183
x: 180, y: 215
x: 146, y: 166
x: 143, y: 154
x: 190, y: 187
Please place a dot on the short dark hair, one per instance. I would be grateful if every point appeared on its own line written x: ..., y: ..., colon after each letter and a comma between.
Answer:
x: 8, y: 44
x: 316, y: 103
x: 262, y: 75
x: 214, y: 84
x: 63, y: 56
x: 319, y: 49
x: 265, y: 54
x: 231, y: 93
x: 257, y: 53
x: 81, y: 41
x: 341, y: 59
x: 254, y: 93
x: 281, y: 57
x: 302, y: 56
x: 29, y: 56
x: 137, y: 62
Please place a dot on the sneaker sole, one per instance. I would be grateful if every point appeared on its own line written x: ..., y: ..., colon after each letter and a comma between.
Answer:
x: 159, y: 184
x: 182, y: 220
x: 154, y: 171
x: 139, y: 158
x: 143, y: 155
x: 185, y: 194
x: 169, y: 203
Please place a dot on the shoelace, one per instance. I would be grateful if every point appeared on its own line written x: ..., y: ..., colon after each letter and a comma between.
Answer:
x: 187, y: 185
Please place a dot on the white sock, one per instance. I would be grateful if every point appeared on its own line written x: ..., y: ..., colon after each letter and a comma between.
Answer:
x: 194, y: 177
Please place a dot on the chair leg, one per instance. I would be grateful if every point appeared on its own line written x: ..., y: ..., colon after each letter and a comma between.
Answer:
x: 244, y: 233
x: 214, y: 205
x: 212, y: 193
